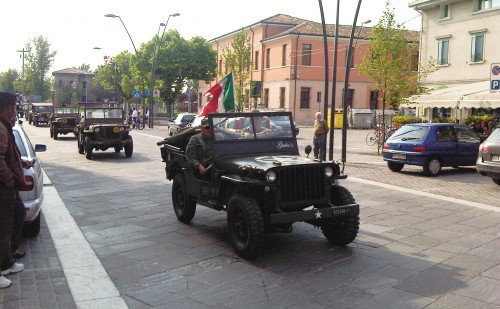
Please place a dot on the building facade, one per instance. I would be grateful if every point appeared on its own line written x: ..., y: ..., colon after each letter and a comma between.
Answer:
x: 461, y: 36
x: 72, y: 85
x: 289, y: 66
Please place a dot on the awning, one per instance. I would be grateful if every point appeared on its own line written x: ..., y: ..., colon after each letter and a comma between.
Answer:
x: 473, y: 95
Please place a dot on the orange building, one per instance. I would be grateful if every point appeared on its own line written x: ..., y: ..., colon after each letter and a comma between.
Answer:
x: 289, y: 66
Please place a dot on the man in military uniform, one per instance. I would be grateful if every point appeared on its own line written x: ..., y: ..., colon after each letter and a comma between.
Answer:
x: 199, y: 150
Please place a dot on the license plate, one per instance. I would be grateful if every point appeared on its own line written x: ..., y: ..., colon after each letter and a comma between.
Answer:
x: 398, y: 156
x: 495, y: 157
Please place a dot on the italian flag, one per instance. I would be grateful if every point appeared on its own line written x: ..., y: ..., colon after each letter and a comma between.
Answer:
x: 218, y: 103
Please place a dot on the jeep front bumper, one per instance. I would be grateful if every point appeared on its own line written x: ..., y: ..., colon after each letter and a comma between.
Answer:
x: 314, y: 214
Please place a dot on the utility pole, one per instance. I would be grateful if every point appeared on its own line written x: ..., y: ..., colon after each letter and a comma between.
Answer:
x: 22, y: 74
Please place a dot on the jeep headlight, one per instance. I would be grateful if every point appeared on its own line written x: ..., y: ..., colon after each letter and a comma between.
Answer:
x: 122, y: 129
x: 97, y: 129
x: 328, y: 171
x: 271, y: 176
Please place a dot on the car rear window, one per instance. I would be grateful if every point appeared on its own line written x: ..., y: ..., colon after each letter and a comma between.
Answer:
x: 406, y: 133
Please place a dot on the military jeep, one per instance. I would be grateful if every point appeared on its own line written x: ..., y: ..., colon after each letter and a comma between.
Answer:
x: 64, y: 120
x: 40, y: 113
x: 101, y: 128
x: 259, y: 178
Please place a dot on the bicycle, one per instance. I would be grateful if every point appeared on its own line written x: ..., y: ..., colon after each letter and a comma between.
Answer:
x: 377, y: 135
x: 138, y: 124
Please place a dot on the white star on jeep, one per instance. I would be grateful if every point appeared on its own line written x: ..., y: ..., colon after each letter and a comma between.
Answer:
x: 318, y: 215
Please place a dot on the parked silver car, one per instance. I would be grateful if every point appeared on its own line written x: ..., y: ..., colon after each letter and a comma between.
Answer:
x: 179, y: 122
x: 488, y: 159
x: 32, y: 193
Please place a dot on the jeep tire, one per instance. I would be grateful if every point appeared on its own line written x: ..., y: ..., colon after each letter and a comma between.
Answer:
x: 129, y: 147
x: 51, y: 131
x: 341, y: 231
x: 55, y: 133
x: 88, y: 147
x: 184, y: 205
x: 81, y: 147
x: 246, y: 226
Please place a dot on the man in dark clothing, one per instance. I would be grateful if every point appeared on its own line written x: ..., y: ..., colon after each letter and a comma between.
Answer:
x: 199, y: 150
x: 11, y: 178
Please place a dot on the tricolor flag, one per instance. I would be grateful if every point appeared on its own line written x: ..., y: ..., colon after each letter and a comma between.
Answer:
x: 217, y: 103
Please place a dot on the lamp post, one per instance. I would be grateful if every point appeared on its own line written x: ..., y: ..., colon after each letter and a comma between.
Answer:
x: 138, y: 64
x: 153, y: 66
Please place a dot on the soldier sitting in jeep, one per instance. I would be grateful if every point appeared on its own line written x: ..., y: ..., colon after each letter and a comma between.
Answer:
x: 261, y: 181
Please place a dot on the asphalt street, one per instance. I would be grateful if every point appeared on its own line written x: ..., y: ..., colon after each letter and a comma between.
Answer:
x: 423, y: 242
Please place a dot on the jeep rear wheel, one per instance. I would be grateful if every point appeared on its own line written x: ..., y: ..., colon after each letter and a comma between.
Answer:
x: 246, y: 226
x: 88, y: 147
x: 81, y: 148
x: 184, y: 205
x: 51, y: 131
x: 341, y: 231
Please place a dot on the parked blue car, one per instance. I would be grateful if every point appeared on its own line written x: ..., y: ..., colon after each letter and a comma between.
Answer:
x: 432, y: 146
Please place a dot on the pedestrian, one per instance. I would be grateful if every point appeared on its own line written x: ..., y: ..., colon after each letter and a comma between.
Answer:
x: 134, y: 116
x: 11, y: 178
x: 319, y: 139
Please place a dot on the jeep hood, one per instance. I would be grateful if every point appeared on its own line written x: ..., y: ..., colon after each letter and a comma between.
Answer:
x: 261, y: 161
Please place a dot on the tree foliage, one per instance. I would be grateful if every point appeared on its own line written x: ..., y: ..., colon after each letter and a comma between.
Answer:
x: 39, y: 60
x: 9, y: 81
x: 238, y: 59
x: 389, y: 64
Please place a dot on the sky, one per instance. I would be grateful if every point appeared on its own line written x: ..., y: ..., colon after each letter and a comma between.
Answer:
x: 73, y: 29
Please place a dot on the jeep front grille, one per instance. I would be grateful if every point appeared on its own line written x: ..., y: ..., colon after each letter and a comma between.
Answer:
x: 298, y: 184
x: 107, y: 132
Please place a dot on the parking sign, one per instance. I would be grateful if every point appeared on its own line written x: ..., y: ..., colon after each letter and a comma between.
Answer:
x: 495, y: 77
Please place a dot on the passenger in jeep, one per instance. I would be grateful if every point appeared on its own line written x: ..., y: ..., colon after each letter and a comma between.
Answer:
x: 199, y: 150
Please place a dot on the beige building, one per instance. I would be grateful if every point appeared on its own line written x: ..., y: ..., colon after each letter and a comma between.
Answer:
x: 289, y: 66
x: 462, y: 37
x: 72, y: 83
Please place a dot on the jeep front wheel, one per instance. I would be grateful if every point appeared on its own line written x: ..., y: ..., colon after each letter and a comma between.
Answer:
x: 129, y: 148
x: 246, y: 226
x: 55, y: 133
x: 184, y: 205
x: 88, y: 147
x: 341, y: 231
x: 81, y: 147
x: 51, y: 131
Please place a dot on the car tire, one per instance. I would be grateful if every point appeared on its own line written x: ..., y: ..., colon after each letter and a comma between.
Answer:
x: 246, y: 226
x: 55, y: 134
x: 432, y: 167
x: 497, y: 181
x: 184, y: 204
x: 88, y: 147
x: 32, y: 229
x: 51, y: 131
x: 395, y: 167
x: 129, y: 148
x: 341, y: 231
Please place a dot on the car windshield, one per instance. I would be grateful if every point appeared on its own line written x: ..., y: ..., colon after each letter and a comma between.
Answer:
x: 409, y: 133
x: 494, y: 136
x: 251, y: 127
x: 64, y: 110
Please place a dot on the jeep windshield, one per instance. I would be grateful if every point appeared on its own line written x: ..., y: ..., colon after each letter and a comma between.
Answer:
x: 43, y: 109
x: 252, y: 126
x: 64, y: 110
x: 103, y: 113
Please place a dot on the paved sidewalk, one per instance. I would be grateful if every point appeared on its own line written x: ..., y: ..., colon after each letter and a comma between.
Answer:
x: 415, y: 249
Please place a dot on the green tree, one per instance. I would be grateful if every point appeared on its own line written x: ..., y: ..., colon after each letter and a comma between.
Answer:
x: 39, y: 59
x: 85, y: 67
x: 9, y: 81
x: 389, y: 64
x: 238, y: 59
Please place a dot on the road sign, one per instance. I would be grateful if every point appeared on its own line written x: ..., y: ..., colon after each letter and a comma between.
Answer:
x: 156, y: 93
x: 137, y: 94
x: 147, y: 92
x: 495, y: 77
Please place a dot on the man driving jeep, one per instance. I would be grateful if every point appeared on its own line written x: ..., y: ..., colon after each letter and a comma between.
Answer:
x: 199, y: 150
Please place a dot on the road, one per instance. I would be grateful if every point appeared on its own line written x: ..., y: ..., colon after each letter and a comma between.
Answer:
x: 414, y: 249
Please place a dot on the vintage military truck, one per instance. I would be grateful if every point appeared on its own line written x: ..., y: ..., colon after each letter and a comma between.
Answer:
x: 40, y: 113
x: 63, y: 121
x: 259, y: 178
x: 103, y: 127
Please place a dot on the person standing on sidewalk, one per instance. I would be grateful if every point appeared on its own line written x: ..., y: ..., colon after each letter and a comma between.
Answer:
x: 319, y: 140
x: 11, y: 177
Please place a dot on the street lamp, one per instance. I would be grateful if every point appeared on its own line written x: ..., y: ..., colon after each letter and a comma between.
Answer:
x: 357, y: 38
x: 138, y: 64
x: 153, y: 66
x: 112, y: 62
